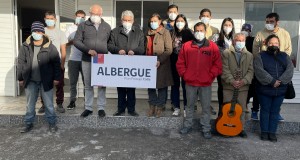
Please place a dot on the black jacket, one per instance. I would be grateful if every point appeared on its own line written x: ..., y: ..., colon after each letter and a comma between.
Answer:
x: 48, y: 61
x: 135, y: 41
x: 87, y: 37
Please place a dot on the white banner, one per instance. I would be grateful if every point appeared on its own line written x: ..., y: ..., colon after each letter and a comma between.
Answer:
x: 124, y: 71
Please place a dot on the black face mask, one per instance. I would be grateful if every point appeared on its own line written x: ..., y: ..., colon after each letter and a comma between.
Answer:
x: 273, y: 49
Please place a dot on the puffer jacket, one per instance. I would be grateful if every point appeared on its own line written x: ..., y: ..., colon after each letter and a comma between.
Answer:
x: 48, y: 60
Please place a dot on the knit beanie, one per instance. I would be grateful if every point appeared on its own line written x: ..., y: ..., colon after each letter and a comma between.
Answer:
x: 37, y: 26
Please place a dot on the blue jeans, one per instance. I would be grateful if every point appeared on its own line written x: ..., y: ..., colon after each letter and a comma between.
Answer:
x: 269, y: 112
x: 32, y: 93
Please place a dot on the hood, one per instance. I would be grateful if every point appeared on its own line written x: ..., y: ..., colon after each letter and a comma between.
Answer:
x: 46, y: 41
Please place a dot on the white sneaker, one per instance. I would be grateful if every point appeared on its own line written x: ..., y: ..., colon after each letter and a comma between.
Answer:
x: 176, y: 112
x: 184, y: 114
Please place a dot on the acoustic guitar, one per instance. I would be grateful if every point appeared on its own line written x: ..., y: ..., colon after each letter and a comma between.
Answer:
x: 229, y: 122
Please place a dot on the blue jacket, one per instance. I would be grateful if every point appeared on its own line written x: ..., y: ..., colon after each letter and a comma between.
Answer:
x: 267, y: 70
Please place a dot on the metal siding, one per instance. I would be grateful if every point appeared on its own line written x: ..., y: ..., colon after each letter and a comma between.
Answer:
x: 67, y: 8
x: 7, y: 51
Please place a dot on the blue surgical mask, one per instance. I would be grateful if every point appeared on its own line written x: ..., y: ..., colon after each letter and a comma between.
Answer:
x: 154, y: 25
x: 79, y: 20
x: 36, y: 36
x: 50, y: 22
x: 239, y: 46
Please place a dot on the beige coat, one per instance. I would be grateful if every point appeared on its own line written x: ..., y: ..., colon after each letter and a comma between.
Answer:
x: 230, y: 65
x: 162, y: 48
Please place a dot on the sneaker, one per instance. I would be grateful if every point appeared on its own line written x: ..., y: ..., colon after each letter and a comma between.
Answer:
x: 133, y: 114
x: 60, y: 108
x: 27, y: 128
x: 71, y: 105
x: 184, y: 113
x: 280, y: 118
x: 243, y: 134
x: 185, y: 130
x: 176, y: 112
x: 42, y: 109
x: 86, y: 113
x: 101, y: 113
x: 254, y: 115
x: 207, y: 135
x: 53, y: 128
x: 173, y: 107
x: 212, y: 111
x: 272, y: 137
x: 119, y: 113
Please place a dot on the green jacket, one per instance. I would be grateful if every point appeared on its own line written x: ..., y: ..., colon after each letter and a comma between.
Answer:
x: 230, y: 65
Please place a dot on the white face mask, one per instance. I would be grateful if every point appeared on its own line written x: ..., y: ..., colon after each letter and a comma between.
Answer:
x: 127, y: 25
x: 180, y: 25
x: 205, y: 20
x: 245, y: 33
x: 270, y: 27
x: 172, y: 16
x: 199, y: 35
x: 227, y: 30
x: 96, y: 19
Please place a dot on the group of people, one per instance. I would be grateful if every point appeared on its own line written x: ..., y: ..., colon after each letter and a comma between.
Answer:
x: 190, y: 57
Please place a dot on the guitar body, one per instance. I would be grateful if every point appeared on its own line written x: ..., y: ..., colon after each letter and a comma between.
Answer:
x: 229, y: 122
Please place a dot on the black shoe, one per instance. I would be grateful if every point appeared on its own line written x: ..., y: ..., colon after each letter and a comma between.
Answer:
x: 27, y: 128
x: 85, y: 113
x: 264, y: 136
x: 272, y: 137
x: 101, y: 113
x: 243, y: 134
x: 42, y: 109
x: 71, y: 106
x: 53, y: 128
x: 119, y: 113
x: 60, y: 108
x: 185, y: 130
x: 133, y: 114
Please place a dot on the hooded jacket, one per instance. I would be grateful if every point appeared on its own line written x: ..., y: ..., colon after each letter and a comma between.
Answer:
x: 48, y: 61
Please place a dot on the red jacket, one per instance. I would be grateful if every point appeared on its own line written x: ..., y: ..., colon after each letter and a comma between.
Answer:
x: 199, y: 66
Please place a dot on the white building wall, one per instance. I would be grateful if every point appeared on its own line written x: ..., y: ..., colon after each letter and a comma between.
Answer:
x: 7, y: 49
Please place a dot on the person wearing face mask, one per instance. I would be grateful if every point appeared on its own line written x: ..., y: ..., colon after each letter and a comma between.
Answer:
x: 236, y: 57
x: 259, y: 44
x: 74, y: 63
x: 38, y: 70
x: 172, y: 14
x: 273, y: 70
x: 224, y: 41
x: 126, y: 40
x: 59, y: 40
x: 159, y: 43
x: 205, y: 17
x: 199, y: 63
x: 180, y: 35
x: 91, y: 39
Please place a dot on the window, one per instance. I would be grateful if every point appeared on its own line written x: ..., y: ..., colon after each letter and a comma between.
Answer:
x: 142, y: 11
x: 255, y: 13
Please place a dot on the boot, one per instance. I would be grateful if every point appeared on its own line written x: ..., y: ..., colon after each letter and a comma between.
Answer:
x: 151, y: 110
x: 158, y: 111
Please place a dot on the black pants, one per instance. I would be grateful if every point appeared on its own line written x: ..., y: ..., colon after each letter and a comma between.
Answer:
x: 252, y: 93
x: 220, y: 94
x: 124, y: 102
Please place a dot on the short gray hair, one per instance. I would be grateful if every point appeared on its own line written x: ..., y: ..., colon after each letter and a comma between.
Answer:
x: 127, y: 13
x: 239, y: 34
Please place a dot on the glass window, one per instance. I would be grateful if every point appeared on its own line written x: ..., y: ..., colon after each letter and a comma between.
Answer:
x: 289, y: 20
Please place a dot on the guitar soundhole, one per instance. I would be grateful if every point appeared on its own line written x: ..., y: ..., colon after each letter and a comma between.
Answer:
x: 231, y: 114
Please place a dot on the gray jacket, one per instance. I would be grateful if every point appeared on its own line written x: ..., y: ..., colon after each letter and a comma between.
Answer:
x: 88, y: 37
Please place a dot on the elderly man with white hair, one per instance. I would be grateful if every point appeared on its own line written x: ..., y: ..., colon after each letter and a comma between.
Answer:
x: 237, y: 59
x: 91, y: 39
x: 126, y: 40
